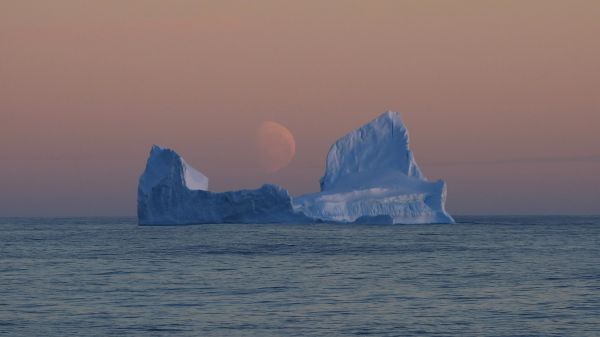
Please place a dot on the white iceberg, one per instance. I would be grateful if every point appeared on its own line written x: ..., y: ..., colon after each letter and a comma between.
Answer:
x: 371, y: 176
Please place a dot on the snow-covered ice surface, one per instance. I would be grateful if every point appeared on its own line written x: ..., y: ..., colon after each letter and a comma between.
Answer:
x: 371, y: 176
x: 167, y: 164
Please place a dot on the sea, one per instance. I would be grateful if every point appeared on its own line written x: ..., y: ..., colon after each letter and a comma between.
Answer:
x: 484, y: 276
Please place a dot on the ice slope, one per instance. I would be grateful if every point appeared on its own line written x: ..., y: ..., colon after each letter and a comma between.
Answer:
x: 170, y: 192
x: 371, y: 176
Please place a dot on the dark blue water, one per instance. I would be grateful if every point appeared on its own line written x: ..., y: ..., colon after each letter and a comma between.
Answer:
x: 487, y: 276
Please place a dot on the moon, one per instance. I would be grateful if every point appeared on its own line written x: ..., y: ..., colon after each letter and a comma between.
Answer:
x: 276, y: 146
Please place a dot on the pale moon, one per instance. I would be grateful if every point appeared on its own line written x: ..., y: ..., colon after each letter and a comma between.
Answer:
x: 276, y: 146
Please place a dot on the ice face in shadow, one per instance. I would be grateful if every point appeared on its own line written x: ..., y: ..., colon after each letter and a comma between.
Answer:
x: 170, y: 192
x: 372, y: 174
x: 166, y: 166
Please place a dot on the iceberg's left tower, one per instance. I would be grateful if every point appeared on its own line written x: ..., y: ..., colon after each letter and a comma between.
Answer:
x: 171, y: 192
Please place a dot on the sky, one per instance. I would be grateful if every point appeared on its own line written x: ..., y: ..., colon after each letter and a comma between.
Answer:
x: 501, y: 98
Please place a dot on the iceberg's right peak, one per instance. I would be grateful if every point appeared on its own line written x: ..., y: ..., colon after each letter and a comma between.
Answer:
x: 372, y: 176
x: 380, y: 145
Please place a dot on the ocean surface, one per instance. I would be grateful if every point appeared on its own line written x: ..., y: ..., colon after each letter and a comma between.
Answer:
x: 485, y: 276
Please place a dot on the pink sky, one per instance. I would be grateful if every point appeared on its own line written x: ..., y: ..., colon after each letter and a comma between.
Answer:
x: 87, y: 87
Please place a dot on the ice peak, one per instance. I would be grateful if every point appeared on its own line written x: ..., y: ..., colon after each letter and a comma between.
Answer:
x: 390, y: 114
x: 380, y: 145
x: 165, y: 164
x: 156, y: 148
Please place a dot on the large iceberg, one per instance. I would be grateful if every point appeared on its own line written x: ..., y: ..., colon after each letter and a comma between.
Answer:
x: 371, y: 176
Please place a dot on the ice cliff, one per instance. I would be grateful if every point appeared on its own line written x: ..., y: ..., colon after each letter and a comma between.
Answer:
x: 371, y: 176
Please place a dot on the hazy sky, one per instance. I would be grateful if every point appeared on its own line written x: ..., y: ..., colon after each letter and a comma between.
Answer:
x: 502, y: 98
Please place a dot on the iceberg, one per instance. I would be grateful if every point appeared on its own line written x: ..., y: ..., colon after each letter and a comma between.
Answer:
x: 170, y: 192
x: 371, y: 176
